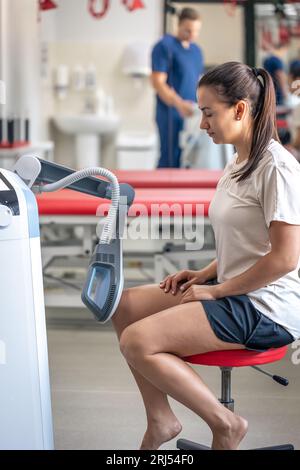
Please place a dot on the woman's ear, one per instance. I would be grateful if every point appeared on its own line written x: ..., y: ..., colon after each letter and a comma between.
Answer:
x: 241, y: 109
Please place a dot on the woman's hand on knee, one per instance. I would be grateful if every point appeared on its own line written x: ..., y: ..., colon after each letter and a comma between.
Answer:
x: 181, y: 281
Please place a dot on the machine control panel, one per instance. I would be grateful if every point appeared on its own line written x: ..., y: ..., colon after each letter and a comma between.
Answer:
x: 5, y: 216
x: 8, y: 196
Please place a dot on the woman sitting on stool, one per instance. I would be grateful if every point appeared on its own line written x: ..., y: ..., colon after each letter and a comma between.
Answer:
x: 253, y: 299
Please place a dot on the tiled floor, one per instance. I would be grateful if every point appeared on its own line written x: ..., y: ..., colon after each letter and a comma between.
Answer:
x: 96, y: 404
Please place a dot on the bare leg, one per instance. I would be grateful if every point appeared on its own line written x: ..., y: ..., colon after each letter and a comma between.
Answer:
x: 162, y: 424
x: 138, y: 303
x: 154, y: 346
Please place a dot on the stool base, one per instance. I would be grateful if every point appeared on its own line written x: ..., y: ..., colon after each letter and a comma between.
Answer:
x: 185, y: 444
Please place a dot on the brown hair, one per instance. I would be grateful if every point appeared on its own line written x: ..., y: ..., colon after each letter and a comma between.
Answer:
x: 189, y: 14
x: 233, y: 82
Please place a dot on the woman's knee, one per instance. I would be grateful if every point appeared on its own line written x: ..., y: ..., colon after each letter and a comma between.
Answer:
x: 133, y: 344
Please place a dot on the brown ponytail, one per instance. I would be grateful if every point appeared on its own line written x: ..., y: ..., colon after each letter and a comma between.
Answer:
x: 233, y: 82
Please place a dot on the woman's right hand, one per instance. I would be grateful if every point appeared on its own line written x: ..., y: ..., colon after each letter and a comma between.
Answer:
x: 182, y: 280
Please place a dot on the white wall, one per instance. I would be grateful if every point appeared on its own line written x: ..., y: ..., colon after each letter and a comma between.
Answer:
x: 72, y: 22
x: 71, y: 36
x: 19, y: 60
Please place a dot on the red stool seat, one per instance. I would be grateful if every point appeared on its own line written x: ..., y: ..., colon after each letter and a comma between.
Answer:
x: 226, y: 360
x: 237, y: 357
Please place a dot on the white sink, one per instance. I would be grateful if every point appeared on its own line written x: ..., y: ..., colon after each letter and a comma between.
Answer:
x: 87, y: 123
x: 87, y: 130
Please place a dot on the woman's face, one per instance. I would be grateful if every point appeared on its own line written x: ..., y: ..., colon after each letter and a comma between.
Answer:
x: 222, y: 123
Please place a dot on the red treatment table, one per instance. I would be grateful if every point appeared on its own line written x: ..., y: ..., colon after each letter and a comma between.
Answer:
x: 169, y: 178
x: 160, y: 214
x: 67, y: 202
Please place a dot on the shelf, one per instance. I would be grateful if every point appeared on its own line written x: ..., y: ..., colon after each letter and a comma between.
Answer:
x: 46, y: 146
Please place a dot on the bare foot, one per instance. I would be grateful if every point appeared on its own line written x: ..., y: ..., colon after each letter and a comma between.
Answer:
x: 230, y: 436
x: 159, y: 432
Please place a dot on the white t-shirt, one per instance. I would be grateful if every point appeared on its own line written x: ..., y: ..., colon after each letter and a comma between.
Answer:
x: 241, y: 214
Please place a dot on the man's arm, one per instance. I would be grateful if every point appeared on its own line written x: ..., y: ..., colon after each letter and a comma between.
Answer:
x: 168, y: 95
x: 282, y: 259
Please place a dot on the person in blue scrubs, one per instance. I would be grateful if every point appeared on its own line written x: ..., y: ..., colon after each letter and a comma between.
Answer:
x: 274, y: 64
x: 177, y: 64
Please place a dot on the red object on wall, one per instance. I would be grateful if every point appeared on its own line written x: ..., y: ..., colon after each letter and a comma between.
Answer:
x: 47, y: 5
x: 92, y: 8
x: 132, y: 5
x: 284, y: 33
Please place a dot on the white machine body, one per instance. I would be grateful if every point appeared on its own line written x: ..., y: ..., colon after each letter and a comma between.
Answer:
x: 25, y: 410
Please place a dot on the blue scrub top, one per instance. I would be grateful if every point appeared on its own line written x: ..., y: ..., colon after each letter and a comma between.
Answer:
x: 183, y: 66
x: 272, y: 64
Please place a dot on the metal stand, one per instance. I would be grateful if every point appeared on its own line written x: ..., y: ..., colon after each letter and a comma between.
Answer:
x: 228, y: 402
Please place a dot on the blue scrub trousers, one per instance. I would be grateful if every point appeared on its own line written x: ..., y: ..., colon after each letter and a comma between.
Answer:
x: 169, y: 128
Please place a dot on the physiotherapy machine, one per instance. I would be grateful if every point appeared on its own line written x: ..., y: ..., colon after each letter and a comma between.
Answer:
x: 25, y: 412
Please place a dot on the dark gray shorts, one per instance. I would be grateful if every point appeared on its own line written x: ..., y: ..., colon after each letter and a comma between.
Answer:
x: 234, y: 319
